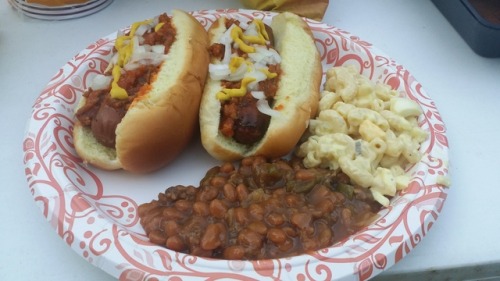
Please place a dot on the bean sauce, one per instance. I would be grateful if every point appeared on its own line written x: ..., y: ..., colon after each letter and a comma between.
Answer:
x: 259, y: 209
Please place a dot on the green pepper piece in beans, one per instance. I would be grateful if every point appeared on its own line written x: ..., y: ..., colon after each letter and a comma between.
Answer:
x: 346, y: 189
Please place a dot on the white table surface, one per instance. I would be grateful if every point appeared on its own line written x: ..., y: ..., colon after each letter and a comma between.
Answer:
x: 462, y: 244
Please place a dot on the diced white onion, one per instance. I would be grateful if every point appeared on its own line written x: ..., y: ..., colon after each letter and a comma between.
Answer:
x: 119, y: 33
x: 114, y: 59
x: 101, y: 82
x: 143, y: 28
x: 265, y: 56
x: 239, y: 73
x: 251, y: 30
x: 139, y: 49
x: 147, y: 58
x: 226, y: 36
x: 258, y: 75
x: 243, y: 25
x: 227, y: 53
x: 135, y: 45
x: 155, y: 21
x: 159, y: 49
x: 218, y: 67
x: 223, y: 72
x: 218, y: 71
x: 263, y: 106
x: 258, y: 94
x: 227, y: 40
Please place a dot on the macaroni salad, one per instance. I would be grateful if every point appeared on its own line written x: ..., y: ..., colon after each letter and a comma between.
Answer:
x: 366, y: 130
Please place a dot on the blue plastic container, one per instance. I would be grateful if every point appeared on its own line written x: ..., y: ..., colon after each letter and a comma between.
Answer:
x: 477, y: 21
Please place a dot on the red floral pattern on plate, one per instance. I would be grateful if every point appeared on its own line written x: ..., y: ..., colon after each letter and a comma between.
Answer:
x: 95, y: 212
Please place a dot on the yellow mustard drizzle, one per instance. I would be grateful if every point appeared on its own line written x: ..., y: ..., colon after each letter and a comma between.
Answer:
x: 269, y: 74
x: 226, y: 94
x: 158, y: 26
x: 243, y: 40
x: 235, y: 62
x: 117, y: 92
x: 261, y: 28
x: 125, y: 49
x: 237, y: 35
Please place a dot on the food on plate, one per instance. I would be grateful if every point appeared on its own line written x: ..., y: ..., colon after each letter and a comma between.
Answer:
x: 262, y: 89
x: 367, y: 130
x: 56, y: 3
x: 260, y: 209
x: 143, y: 111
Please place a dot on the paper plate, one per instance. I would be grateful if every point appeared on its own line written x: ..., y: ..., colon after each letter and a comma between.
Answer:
x: 59, y: 13
x: 95, y: 212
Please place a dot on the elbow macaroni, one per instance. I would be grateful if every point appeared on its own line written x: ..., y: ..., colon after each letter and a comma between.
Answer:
x: 367, y: 131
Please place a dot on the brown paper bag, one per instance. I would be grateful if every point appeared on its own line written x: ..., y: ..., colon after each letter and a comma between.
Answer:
x: 313, y: 9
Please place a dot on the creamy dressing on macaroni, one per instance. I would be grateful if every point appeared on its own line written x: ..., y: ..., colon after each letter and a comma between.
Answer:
x: 367, y: 131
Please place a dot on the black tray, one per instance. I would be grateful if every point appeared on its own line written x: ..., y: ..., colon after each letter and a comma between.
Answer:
x: 477, y: 21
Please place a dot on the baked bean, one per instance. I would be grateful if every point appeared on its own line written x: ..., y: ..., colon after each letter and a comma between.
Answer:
x: 325, y: 206
x: 241, y: 215
x: 257, y: 161
x: 213, y: 237
x: 250, y: 239
x: 217, y: 208
x: 279, y: 193
x: 325, y: 237
x: 229, y: 192
x: 151, y: 214
x: 201, y: 208
x: 261, y: 210
x: 227, y: 168
x: 286, y: 245
x: 292, y: 200
x: 217, y: 181
x: 346, y: 216
x: 304, y: 175
x: 290, y: 232
x: 339, y: 197
x: 274, y: 203
x: 152, y: 224
x: 319, y: 193
x: 208, y: 193
x: 175, y: 243
x: 171, y: 213
x: 316, y: 213
x: 258, y: 227
x: 157, y: 237
x: 309, y: 244
x: 171, y: 228
x: 146, y: 208
x: 199, y: 251
x: 256, y: 211
x: 247, y: 162
x: 301, y: 220
x: 234, y: 252
x: 276, y: 235
x: 245, y: 171
x: 275, y: 219
x: 183, y: 205
x: 241, y: 192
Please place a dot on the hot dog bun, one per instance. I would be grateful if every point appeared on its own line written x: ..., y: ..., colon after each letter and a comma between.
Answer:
x: 161, y: 122
x: 296, y: 99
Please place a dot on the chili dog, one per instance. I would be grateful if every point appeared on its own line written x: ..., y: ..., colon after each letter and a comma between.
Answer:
x: 262, y: 89
x: 143, y: 111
